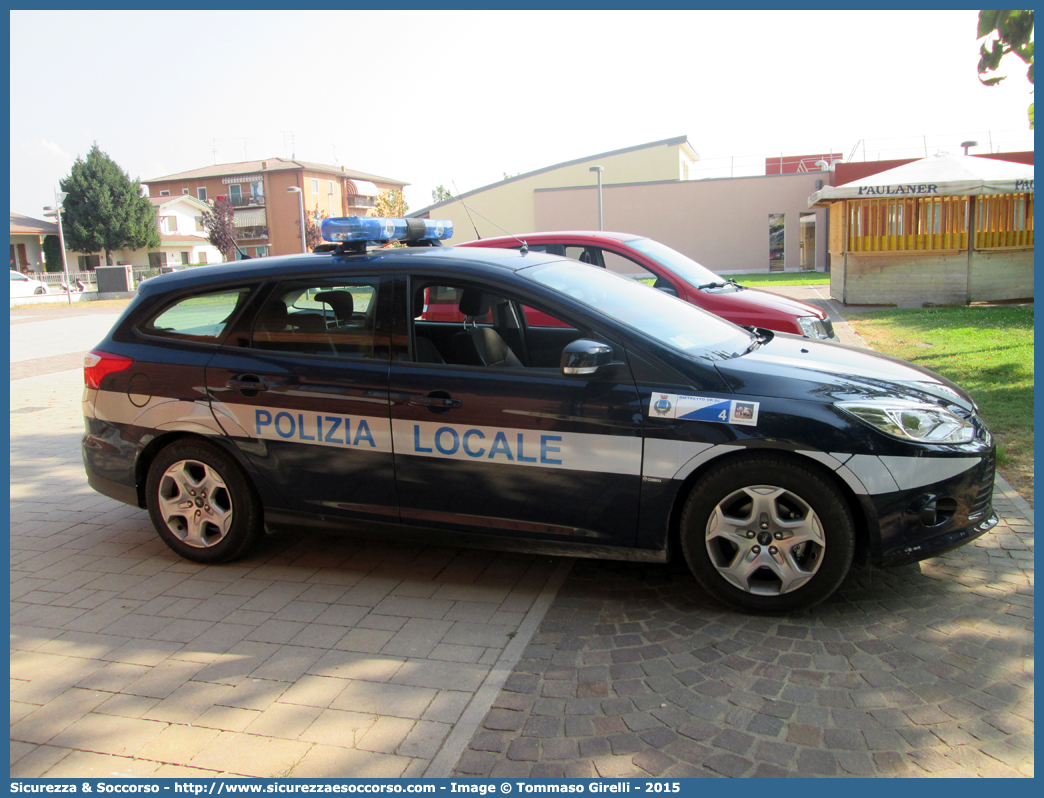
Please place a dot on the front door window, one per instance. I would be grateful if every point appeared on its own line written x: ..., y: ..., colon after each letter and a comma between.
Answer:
x: 490, y: 436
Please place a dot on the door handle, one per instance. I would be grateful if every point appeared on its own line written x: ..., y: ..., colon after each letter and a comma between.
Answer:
x: 255, y: 384
x: 443, y: 402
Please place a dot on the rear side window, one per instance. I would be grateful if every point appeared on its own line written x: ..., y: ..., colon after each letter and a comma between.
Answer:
x: 327, y: 318
x: 203, y: 317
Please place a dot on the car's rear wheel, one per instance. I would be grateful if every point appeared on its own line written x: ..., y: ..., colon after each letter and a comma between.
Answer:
x: 40, y: 290
x: 201, y: 502
x: 767, y: 535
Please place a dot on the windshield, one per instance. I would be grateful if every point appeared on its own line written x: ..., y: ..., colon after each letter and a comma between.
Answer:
x: 686, y: 268
x: 670, y: 321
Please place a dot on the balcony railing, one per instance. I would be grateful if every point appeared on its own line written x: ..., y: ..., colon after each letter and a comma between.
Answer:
x: 248, y: 233
x: 243, y: 202
x: 362, y: 202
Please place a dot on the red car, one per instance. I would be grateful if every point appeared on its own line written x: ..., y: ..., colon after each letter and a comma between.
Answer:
x: 660, y: 266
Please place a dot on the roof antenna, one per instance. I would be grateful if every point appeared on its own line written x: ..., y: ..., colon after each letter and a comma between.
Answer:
x: 525, y: 246
x: 467, y: 210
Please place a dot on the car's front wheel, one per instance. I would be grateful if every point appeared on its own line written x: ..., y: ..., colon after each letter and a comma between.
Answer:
x: 201, y: 502
x: 40, y: 289
x: 767, y: 535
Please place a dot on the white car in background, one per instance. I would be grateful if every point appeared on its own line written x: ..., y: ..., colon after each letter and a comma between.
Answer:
x: 25, y: 286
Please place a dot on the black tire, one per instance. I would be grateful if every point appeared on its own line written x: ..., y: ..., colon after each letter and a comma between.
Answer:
x: 742, y: 557
x: 40, y: 290
x: 206, y: 510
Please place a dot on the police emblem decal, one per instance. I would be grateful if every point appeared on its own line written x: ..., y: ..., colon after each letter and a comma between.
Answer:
x: 662, y: 406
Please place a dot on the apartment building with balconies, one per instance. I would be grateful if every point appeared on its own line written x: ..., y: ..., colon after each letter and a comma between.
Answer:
x: 267, y: 214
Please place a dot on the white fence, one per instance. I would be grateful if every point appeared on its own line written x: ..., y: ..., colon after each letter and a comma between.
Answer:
x: 89, y: 278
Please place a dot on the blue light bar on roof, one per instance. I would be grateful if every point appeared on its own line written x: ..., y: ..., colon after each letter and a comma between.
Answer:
x: 375, y: 228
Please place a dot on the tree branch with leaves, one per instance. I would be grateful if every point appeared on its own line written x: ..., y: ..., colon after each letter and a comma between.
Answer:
x: 220, y: 226
x: 440, y: 194
x: 1006, y: 32
x: 313, y: 233
x: 390, y: 203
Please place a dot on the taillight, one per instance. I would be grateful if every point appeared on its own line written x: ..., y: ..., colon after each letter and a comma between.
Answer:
x: 97, y: 364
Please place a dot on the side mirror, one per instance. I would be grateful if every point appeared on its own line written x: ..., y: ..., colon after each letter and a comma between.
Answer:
x: 585, y: 356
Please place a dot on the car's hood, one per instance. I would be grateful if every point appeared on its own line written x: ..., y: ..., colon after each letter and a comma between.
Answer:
x: 792, y: 367
x: 758, y: 299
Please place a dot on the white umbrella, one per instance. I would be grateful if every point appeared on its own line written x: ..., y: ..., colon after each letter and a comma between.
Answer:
x: 940, y: 175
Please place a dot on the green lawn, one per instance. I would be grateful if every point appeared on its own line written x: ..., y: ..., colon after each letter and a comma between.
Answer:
x: 988, y: 351
x: 769, y: 279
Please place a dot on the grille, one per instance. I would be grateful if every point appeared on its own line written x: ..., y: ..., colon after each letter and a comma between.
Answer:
x: 984, y: 498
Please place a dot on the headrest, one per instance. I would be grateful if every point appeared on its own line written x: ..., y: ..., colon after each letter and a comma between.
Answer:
x: 274, y: 314
x: 473, y: 303
x: 340, y: 301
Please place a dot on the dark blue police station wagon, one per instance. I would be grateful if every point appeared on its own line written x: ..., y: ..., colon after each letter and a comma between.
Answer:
x: 310, y: 392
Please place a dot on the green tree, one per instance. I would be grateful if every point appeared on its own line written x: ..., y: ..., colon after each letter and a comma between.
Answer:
x: 105, y: 210
x: 220, y: 225
x: 440, y: 194
x: 52, y: 251
x: 390, y: 203
x: 1005, y: 32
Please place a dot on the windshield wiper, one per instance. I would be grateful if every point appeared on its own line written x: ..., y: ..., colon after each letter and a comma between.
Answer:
x: 711, y: 285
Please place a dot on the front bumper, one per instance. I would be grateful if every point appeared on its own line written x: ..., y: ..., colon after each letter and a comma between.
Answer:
x: 939, y: 544
x: 932, y: 519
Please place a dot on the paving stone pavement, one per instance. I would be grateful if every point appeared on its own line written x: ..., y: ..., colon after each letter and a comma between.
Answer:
x: 344, y: 657
x: 924, y: 670
x: 315, y: 657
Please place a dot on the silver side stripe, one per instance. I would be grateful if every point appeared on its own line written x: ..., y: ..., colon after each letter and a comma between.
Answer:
x: 666, y: 459
x: 872, y: 474
x: 160, y: 413
x: 338, y: 430
x: 572, y: 451
x: 614, y: 454
x: 913, y: 472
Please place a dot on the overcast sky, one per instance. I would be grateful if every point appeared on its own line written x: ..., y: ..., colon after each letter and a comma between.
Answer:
x: 464, y: 97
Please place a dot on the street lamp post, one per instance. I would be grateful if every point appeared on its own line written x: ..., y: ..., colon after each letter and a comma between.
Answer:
x: 599, y: 170
x: 56, y: 211
x: 300, y: 202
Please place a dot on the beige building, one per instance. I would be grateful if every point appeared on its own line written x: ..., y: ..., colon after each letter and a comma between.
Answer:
x: 267, y: 215
x: 646, y: 190
x: 724, y: 224
x: 511, y: 204
x: 27, y: 236
x: 182, y: 239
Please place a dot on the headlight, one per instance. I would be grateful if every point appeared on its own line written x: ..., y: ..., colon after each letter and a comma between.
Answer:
x: 811, y: 327
x: 916, y: 421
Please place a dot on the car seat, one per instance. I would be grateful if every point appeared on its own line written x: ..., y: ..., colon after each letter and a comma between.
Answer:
x: 480, y: 346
